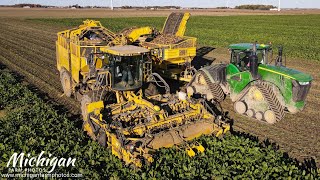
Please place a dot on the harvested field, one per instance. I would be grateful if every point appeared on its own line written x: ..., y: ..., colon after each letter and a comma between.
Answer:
x: 106, y: 13
x: 28, y: 47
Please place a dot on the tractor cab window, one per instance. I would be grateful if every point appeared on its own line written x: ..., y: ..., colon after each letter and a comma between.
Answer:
x: 245, y: 60
x: 241, y: 59
x: 233, y: 58
x: 127, y: 72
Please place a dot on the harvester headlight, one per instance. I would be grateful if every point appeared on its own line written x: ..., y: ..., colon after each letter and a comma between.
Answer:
x: 304, y: 83
x: 156, y: 108
x: 300, y: 90
x: 130, y: 147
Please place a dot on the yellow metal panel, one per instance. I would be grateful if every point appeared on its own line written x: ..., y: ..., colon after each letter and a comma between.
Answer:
x: 136, y: 33
x: 183, y: 25
x: 83, y: 62
x: 192, y: 51
x: 63, y: 57
x: 99, y: 63
x: 57, y: 56
x: 75, y: 67
x: 95, y: 105
x: 179, y: 53
x: 170, y: 54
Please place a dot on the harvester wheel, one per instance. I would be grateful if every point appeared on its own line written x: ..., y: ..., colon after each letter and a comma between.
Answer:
x: 65, y: 79
x: 102, y: 138
x: 240, y: 107
x: 250, y: 113
x: 151, y: 90
x: 87, y: 126
x: 259, y: 116
x: 85, y: 100
x: 270, y: 117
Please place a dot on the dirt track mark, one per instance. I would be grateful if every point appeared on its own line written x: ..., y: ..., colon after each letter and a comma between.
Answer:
x: 52, y: 92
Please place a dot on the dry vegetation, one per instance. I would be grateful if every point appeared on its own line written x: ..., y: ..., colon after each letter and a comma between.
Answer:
x: 105, y: 13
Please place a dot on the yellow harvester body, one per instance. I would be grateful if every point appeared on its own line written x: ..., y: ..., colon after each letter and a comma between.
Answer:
x: 106, y: 74
x: 173, y: 59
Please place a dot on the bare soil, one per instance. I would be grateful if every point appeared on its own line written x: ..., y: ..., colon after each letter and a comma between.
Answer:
x: 3, y: 113
x: 102, y: 13
x: 29, y: 49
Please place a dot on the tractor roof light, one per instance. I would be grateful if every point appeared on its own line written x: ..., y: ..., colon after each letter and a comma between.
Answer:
x: 304, y: 83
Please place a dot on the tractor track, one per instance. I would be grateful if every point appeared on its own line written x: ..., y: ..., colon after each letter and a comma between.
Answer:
x: 52, y: 92
x: 33, y: 51
x: 34, y: 38
x: 29, y: 50
x: 35, y: 70
x: 215, y: 88
x: 273, y: 102
x: 33, y: 60
x: 296, y: 145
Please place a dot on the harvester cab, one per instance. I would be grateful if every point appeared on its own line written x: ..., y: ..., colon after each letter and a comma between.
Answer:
x: 125, y: 64
x: 258, y: 89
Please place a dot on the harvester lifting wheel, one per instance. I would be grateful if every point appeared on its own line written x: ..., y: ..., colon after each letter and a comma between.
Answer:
x: 65, y: 79
x: 85, y: 100
x: 102, y: 138
x: 87, y: 126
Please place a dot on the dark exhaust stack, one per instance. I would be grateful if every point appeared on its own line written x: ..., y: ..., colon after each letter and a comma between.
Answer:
x: 254, y: 62
x: 279, y: 58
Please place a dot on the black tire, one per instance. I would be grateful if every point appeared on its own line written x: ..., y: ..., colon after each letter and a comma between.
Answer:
x: 85, y: 100
x: 151, y: 90
x: 66, y: 82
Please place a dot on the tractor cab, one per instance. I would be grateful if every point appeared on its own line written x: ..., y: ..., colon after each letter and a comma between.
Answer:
x: 240, y: 54
x: 126, y: 66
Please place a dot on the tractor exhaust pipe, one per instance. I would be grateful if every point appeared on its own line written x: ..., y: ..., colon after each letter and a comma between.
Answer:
x: 254, y: 62
x: 279, y: 58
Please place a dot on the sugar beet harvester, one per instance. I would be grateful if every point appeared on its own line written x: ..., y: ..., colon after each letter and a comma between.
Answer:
x: 98, y: 68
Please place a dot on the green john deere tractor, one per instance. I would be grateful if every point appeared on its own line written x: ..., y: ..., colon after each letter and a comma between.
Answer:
x: 258, y: 89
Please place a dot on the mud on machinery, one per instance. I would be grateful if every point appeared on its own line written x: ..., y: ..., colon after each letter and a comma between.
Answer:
x: 98, y: 68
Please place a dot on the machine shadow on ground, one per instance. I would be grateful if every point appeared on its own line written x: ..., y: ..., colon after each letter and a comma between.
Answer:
x: 200, y: 60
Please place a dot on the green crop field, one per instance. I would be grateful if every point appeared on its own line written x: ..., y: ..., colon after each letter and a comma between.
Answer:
x: 299, y: 33
x: 31, y: 125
